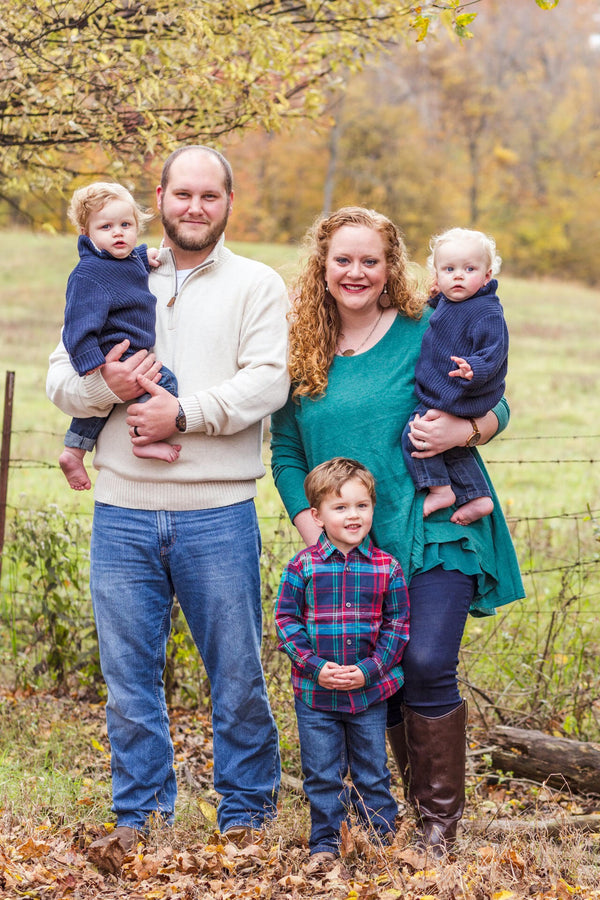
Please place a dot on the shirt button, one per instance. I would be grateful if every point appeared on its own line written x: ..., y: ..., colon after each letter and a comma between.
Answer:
x: 348, y: 604
x: 348, y: 641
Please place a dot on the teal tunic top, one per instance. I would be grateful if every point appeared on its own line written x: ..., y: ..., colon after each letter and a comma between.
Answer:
x: 368, y: 400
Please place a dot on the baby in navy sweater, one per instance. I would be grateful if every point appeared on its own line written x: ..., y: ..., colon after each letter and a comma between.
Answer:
x: 108, y: 301
x: 468, y: 329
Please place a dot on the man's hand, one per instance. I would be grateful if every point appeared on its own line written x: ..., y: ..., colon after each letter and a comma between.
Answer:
x: 121, y: 376
x: 341, y: 678
x: 153, y: 420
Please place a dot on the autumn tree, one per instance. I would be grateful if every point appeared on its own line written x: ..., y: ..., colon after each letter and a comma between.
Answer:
x: 127, y: 79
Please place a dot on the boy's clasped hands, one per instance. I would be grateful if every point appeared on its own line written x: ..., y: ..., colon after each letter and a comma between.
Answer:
x: 341, y: 678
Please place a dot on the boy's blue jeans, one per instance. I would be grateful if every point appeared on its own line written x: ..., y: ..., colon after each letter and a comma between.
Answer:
x: 209, y: 558
x: 83, y: 433
x: 331, y: 743
x: 457, y: 467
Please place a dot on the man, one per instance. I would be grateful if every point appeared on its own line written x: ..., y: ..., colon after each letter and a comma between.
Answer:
x: 189, y: 527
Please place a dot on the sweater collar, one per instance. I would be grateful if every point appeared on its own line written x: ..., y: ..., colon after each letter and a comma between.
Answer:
x: 86, y: 247
x: 488, y: 289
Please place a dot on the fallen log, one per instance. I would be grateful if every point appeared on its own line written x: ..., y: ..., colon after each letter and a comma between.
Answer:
x: 559, y: 762
x: 548, y: 827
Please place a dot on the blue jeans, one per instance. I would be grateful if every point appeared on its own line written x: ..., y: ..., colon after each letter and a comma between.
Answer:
x: 439, y: 606
x: 331, y: 743
x: 456, y: 467
x: 83, y: 433
x: 210, y: 560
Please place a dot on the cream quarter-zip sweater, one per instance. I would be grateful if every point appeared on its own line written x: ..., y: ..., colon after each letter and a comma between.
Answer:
x: 224, y: 335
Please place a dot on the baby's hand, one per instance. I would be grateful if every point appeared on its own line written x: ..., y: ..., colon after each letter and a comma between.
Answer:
x: 464, y: 370
x: 153, y: 259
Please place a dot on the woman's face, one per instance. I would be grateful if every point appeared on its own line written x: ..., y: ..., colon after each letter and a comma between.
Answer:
x: 355, y: 268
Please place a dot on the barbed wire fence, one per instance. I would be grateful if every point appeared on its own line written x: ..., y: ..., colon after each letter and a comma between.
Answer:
x: 546, y: 648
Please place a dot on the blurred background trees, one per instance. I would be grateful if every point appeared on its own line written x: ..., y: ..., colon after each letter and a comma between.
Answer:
x: 319, y: 105
x: 500, y: 133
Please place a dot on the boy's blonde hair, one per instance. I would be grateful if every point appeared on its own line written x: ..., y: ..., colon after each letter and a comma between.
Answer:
x: 487, y: 243
x: 331, y: 476
x: 91, y: 199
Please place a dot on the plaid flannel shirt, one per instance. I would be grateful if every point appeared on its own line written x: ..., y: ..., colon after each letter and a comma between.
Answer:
x: 352, y: 610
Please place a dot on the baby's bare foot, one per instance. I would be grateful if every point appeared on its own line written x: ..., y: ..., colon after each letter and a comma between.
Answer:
x: 71, y: 462
x: 473, y: 510
x: 158, y: 450
x: 439, y: 497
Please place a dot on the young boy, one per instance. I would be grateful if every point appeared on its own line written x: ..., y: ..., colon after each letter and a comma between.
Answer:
x: 342, y: 618
x: 467, y: 328
x: 107, y: 301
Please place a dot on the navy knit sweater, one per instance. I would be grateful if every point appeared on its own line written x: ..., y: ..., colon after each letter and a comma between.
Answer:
x: 475, y: 330
x: 107, y: 301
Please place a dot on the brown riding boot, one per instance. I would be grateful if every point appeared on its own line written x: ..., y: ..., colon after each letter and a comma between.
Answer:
x: 436, y: 751
x: 396, y: 736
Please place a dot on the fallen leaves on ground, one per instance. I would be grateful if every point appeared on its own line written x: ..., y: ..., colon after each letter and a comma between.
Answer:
x: 47, y: 859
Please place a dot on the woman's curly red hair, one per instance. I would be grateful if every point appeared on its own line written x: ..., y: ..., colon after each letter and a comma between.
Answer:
x: 315, y: 321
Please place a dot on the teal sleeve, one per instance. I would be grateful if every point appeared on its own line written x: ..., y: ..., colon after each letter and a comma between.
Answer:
x: 288, y: 459
x: 502, y: 412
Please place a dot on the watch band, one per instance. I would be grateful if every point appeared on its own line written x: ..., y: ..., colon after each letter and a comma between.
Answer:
x: 180, y: 419
x: 475, y: 437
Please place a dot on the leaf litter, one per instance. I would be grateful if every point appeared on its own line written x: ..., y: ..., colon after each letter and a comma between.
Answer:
x: 44, y: 857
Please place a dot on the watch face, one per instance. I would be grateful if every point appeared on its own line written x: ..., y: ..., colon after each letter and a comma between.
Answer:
x: 474, y: 439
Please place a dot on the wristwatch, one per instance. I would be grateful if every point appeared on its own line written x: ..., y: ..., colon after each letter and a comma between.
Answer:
x: 180, y: 419
x: 474, y: 438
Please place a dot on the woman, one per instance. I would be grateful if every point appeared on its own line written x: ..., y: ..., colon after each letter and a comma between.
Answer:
x: 355, y: 336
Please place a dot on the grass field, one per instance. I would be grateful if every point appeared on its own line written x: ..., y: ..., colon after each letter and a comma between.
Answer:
x: 545, y: 467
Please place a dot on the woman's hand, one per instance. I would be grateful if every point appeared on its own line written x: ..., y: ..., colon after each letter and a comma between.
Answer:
x: 308, y: 528
x: 439, y: 431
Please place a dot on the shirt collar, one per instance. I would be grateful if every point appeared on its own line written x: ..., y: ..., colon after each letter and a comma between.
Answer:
x: 326, y: 549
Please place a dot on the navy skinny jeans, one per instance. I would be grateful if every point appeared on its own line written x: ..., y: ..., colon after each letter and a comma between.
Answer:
x: 439, y: 606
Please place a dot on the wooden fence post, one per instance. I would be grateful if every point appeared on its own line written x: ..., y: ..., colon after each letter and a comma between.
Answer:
x: 9, y: 393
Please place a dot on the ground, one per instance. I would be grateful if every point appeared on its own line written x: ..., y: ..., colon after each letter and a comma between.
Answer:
x: 504, y: 851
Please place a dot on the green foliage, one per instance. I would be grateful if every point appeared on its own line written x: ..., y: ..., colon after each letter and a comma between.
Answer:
x: 47, y: 559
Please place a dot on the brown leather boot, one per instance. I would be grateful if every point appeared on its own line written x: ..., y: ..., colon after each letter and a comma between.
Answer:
x: 436, y: 751
x: 397, y: 740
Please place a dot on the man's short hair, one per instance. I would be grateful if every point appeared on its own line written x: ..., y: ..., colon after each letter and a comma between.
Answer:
x: 227, y: 170
x: 330, y: 477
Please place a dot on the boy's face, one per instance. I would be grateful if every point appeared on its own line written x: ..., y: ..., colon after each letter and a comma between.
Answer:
x: 346, y: 518
x: 461, y: 269
x: 113, y: 228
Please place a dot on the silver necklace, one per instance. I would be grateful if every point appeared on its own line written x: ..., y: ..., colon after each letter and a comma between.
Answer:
x: 349, y: 351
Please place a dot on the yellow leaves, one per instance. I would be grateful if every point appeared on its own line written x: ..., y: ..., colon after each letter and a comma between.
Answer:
x: 208, y: 811
x: 503, y: 895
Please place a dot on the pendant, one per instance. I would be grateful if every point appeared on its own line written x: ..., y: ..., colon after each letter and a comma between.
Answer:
x: 348, y: 352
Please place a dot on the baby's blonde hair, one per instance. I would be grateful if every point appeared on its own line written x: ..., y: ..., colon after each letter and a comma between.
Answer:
x: 487, y: 243
x: 91, y: 199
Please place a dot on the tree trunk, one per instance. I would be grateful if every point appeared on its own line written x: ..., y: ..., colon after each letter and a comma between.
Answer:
x: 559, y: 762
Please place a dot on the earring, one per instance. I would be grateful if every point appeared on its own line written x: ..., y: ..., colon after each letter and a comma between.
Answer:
x: 384, y: 300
